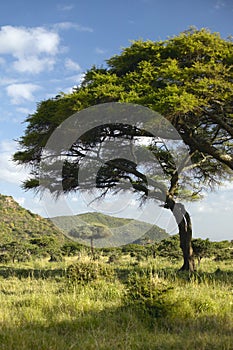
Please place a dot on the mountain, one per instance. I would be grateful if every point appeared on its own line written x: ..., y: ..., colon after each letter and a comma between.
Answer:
x: 17, y: 223
x: 119, y: 231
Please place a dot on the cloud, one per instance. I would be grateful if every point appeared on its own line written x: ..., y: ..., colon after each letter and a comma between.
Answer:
x: 7, y: 81
x: 219, y: 4
x: 20, y: 93
x: 20, y: 200
x: 65, y: 8
x: 100, y: 51
x: 9, y: 171
x: 71, y: 65
x: 24, y: 110
x: 19, y: 41
x: 76, y: 80
x: 228, y: 185
x: 32, y: 49
x: 71, y: 25
x: 215, y: 203
x: 68, y: 90
x: 34, y: 64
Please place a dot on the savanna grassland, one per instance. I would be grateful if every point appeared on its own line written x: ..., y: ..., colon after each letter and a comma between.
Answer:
x: 126, y: 305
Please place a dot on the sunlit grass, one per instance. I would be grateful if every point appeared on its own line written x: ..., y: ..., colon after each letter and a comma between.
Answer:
x: 52, y: 313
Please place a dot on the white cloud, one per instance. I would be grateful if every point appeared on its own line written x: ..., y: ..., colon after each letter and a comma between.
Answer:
x: 7, y: 81
x: 32, y: 49
x: 228, y: 185
x: 73, y: 82
x: 68, y: 90
x: 219, y: 4
x: 21, y: 41
x: 33, y: 64
x: 9, y: 171
x: 71, y: 65
x: 65, y: 8
x: 215, y: 203
x: 71, y: 25
x: 23, y: 110
x: 20, y: 200
x: 100, y: 51
x: 20, y: 93
x: 76, y: 79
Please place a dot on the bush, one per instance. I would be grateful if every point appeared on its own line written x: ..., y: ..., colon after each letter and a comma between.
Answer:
x: 149, y: 293
x: 84, y: 272
x: 224, y: 254
x: 5, y: 258
x: 72, y: 248
x: 114, y: 258
x: 170, y: 248
x: 56, y: 257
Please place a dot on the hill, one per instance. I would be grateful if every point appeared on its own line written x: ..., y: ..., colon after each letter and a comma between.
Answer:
x: 17, y: 223
x: 121, y: 231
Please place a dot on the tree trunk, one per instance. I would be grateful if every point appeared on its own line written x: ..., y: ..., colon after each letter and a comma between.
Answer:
x: 186, y: 241
x: 183, y: 220
x: 92, y: 248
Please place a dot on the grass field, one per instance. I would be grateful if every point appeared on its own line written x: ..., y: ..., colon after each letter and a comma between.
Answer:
x: 42, y: 309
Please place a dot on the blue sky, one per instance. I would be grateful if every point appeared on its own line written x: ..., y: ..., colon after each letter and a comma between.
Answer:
x: 46, y: 46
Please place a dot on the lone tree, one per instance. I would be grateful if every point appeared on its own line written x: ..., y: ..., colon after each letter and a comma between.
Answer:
x: 90, y: 232
x: 189, y: 80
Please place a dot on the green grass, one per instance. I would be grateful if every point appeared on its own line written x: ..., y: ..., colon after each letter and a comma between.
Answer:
x: 43, y: 310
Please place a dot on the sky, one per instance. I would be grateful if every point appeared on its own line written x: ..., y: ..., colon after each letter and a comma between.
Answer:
x: 46, y: 47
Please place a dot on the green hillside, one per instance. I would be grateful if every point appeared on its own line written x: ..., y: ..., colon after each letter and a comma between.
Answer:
x: 17, y: 223
x: 121, y: 231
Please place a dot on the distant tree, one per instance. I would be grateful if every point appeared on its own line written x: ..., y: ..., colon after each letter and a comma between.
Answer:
x: 91, y: 232
x: 46, y: 245
x: 223, y: 250
x: 202, y: 248
x: 15, y: 251
x: 71, y: 248
x: 169, y: 247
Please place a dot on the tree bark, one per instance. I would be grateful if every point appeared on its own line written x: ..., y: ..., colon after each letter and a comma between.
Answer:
x: 183, y: 220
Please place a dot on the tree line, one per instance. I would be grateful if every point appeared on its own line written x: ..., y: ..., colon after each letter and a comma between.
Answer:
x: 47, y: 247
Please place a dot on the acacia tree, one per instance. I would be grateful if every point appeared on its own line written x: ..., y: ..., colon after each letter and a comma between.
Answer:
x: 119, y: 174
x: 91, y: 232
x: 188, y: 79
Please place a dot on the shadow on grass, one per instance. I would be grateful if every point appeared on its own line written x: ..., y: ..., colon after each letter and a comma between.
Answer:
x: 219, y: 276
x: 7, y: 271
x: 172, y: 275
x: 123, y: 273
x: 120, y: 328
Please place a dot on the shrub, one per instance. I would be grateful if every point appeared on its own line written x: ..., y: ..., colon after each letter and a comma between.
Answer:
x: 149, y: 293
x: 5, y: 258
x: 114, y: 258
x: 84, y: 272
x: 56, y: 257
x: 170, y: 248
x: 224, y: 254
